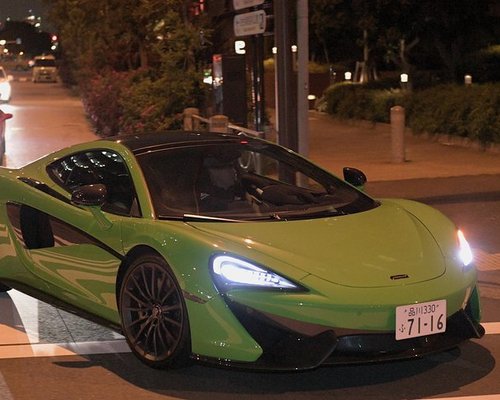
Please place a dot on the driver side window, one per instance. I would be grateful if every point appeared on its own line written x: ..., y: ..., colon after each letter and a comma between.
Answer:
x: 98, y: 166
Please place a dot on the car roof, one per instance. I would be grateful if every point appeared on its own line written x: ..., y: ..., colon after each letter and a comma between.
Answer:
x: 154, y: 141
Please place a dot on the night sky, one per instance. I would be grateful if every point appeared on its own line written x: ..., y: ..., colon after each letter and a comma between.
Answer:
x: 18, y: 9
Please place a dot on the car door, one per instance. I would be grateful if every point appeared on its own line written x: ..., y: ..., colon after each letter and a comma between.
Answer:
x: 77, y: 250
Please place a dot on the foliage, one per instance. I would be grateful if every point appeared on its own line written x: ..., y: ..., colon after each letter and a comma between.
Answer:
x: 483, y: 65
x: 466, y: 111
x: 402, y: 34
x: 353, y: 101
x: 314, y: 67
x: 151, y: 46
x: 472, y: 112
x: 101, y: 100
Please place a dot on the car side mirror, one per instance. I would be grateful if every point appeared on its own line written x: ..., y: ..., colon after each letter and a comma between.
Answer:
x: 90, y: 195
x: 10, y: 78
x: 355, y: 177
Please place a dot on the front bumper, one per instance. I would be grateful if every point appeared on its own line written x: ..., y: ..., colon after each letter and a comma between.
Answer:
x: 291, y: 345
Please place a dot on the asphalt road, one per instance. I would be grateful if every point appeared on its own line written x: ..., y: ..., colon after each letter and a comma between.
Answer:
x: 470, y: 372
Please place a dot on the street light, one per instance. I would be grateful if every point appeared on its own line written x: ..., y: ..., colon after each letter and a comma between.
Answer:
x: 404, y: 81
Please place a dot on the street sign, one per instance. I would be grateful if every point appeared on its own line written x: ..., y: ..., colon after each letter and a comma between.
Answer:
x: 252, y: 23
x: 239, y: 4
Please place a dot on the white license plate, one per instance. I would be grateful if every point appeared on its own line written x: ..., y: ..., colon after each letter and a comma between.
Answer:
x: 420, y: 319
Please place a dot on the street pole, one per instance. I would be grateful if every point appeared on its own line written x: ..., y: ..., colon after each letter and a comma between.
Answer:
x: 258, y: 81
x: 303, y: 76
x: 287, y: 86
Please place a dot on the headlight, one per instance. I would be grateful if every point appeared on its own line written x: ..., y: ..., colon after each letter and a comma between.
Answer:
x: 464, y: 250
x: 230, y: 272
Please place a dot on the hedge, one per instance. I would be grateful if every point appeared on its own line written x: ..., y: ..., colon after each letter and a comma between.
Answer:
x: 466, y: 111
x: 136, y: 102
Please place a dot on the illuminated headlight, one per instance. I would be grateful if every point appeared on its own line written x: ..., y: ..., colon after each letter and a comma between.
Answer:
x: 5, y: 90
x: 230, y: 272
x: 464, y: 250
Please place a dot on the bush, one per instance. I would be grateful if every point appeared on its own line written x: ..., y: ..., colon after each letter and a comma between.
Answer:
x: 137, y: 102
x: 472, y: 112
x: 156, y: 104
x: 352, y: 101
x: 102, y: 101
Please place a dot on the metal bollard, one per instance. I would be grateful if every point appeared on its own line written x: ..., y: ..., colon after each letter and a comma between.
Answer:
x: 398, y: 134
x: 189, y: 123
x: 219, y: 123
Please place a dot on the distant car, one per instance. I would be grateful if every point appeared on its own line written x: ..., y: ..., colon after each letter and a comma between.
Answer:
x: 44, y: 69
x: 5, y: 86
x: 236, y: 251
x: 3, y: 117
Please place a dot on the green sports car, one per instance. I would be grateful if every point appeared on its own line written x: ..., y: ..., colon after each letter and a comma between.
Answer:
x: 236, y: 251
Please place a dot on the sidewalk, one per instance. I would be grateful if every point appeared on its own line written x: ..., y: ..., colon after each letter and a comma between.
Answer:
x: 334, y: 144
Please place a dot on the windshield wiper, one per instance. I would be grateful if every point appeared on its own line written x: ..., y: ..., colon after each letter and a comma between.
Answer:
x: 196, y: 217
x: 206, y: 218
x: 297, y: 214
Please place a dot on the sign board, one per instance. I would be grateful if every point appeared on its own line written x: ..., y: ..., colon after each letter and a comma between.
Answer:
x: 252, y: 23
x: 239, y: 4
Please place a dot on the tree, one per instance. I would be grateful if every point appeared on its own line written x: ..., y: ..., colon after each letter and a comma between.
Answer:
x: 331, y: 30
x: 32, y: 41
x: 409, y: 33
x: 455, y: 28
x: 155, y: 42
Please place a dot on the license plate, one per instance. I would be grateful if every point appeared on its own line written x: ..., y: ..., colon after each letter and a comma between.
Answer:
x: 420, y: 319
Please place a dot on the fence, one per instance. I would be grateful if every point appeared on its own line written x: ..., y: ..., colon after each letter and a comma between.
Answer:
x: 216, y: 123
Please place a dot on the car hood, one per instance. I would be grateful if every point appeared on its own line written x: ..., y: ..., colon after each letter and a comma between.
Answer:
x: 385, y: 246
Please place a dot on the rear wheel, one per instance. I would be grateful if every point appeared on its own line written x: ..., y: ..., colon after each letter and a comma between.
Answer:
x: 153, y: 313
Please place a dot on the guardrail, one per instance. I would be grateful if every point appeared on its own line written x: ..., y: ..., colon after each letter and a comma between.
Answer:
x: 216, y: 123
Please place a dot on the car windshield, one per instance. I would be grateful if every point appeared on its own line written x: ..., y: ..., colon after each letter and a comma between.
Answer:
x: 244, y: 180
x: 45, y: 62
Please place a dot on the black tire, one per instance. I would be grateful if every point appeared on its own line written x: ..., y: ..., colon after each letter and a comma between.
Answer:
x: 153, y: 314
x: 4, y: 288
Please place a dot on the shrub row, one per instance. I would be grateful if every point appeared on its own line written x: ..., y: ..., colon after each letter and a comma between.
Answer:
x: 136, y: 102
x: 467, y: 111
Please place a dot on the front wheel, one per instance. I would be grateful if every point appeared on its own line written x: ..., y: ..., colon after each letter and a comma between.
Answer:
x: 153, y: 313
x: 4, y: 288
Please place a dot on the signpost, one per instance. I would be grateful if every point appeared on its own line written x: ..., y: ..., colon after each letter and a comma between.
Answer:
x: 239, y: 4
x: 251, y: 23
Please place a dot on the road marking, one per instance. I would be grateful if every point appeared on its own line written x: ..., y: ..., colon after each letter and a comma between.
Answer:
x: 34, y: 350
